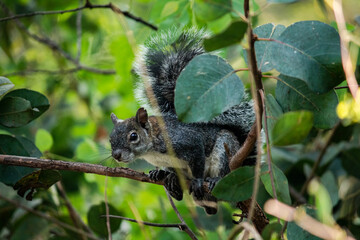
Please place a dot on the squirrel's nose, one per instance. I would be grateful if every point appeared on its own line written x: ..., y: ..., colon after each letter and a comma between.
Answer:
x: 116, y: 154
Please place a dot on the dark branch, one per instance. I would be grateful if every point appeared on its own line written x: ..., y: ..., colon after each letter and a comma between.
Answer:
x: 87, y: 5
x: 319, y: 159
x: 185, y: 227
x: 164, y: 225
x: 53, y: 46
x: 76, y: 167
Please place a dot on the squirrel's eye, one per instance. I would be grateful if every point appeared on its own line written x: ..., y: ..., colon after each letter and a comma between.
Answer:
x: 133, y: 136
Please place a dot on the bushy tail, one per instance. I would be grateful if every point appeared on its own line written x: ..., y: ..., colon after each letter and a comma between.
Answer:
x: 161, y: 60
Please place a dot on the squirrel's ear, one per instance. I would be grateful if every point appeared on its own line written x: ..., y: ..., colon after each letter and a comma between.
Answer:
x: 115, y: 119
x: 141, y: 117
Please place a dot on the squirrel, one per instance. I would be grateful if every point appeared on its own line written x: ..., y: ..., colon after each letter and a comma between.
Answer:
x: 202, y: 150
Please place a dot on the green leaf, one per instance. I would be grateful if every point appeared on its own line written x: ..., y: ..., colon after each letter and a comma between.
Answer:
x: 236, y: 186
x: 5, y: 85
x: 280, y: 182
x: 43, y: 140
x: 272, y: 229
x: 293, y: 94
x: 296, y: 232
x: 263, y: 57
x: 329, y: 181
x: 282, y: 1
x: 39, y: 179
x: 322, y: 201
x: 29, y: 147
x: 205, y: 88
x: 98, y: 223
x: 232, y: 35
x: 310, y: 51
x: 21, y: 106
x: 87, y: 151
x: 292, y: 128
x: 9, y: 175
x: 273, y: 112
x: 350, y: 161
x: 210, y: 10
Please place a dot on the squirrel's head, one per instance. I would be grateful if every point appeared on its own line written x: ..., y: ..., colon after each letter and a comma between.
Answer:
x: 130, y: 138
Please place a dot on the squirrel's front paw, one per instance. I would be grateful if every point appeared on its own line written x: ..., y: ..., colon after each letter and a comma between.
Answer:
x: 212, y: 182
x: 196, y: 187
x: 173, y: 186
x: 158, y: 175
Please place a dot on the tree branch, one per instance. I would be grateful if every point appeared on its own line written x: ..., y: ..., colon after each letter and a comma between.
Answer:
x: 88, y: 5
x: 164, y: 225
x: 54, y: 46
x: 184, y: 226
x: 76, y: 167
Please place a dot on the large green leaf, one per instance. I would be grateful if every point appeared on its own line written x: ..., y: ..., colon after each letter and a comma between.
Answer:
x: 293, y: 94
x: 280, y: 182
x: 9, y: 145
x: 310, y: 51
x: 236, y: 186
x: 205, y: 88
x: 233, y: 34
x: 5, y: 85
x: 210, y: 10
x: 307, y: 50
x: 98, y: 223
x: 263, y: 57
x: 21, y: 106
x: 292, y: 128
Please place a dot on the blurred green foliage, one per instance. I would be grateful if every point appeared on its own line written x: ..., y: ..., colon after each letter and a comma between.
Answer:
x: 77, y: 124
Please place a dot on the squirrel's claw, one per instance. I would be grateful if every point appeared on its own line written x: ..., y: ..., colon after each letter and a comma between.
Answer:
x: 158, y: 175
x: 196, y: 187
x: 173, y: 186
x: 212, y: 182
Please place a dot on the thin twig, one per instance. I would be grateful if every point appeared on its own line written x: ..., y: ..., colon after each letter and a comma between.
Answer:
x: 107, y: 209
x: 47, y: 217
x: 344, y: 41
x: 268, y: 149
x: 78, y: 32
x: 241, y: 69
x: 164, y: 225
x: 34, y: 71
x: 88, y: 5
x: 256, y: 76
x: 185, y: 228
x: 318, y: 160
x: 72, y: 212
x: 54, y: 46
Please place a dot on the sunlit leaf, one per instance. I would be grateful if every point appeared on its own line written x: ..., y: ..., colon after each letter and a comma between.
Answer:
x: 292, y: 128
